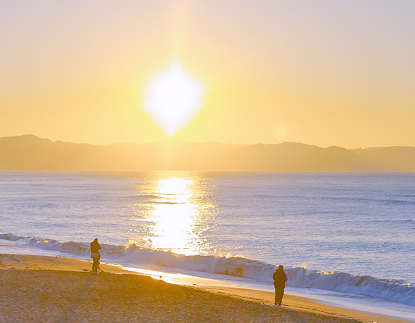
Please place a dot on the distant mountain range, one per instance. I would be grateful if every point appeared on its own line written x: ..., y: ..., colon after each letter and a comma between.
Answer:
x: 29, y: 152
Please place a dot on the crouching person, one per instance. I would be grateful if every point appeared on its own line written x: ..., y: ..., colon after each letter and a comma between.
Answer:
x: 95, y: 247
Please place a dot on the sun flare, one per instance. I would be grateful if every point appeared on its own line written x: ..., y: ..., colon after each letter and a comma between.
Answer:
x: 173, y: 100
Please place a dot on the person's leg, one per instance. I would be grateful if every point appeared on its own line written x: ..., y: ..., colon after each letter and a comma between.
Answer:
x: 95, y: 266
x: 282, y: 295
x: 278, y: 296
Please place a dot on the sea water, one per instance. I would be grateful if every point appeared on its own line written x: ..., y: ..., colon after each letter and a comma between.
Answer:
x: 343, y: 237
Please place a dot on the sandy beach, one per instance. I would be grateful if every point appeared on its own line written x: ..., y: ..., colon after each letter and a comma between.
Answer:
x: 55, y: 289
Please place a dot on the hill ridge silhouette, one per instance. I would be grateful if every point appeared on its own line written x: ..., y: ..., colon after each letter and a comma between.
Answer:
x: 29, y: 152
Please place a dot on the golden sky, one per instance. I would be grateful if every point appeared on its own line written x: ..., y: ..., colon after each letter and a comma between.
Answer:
x: 318, y: 72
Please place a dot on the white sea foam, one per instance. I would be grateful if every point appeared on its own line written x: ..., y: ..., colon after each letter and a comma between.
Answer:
x: 387, y: 289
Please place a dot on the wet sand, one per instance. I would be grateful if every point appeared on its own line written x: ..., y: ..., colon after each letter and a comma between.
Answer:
x: 55, y: 289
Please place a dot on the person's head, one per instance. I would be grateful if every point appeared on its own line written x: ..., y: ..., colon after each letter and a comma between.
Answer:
x: 96, y: 240
x: 280, y: 267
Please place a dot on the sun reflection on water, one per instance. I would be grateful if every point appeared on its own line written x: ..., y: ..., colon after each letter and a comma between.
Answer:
x: 173, y: 219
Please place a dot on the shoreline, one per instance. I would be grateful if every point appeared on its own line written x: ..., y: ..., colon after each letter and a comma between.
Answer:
x: 15, y: 265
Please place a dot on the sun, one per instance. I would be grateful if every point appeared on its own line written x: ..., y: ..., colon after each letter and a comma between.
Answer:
x: 173, y: 100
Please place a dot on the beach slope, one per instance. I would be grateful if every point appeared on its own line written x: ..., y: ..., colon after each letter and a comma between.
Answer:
x: 54, y: 289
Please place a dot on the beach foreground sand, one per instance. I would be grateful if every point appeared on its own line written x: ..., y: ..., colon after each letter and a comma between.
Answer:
x: 54, y: 289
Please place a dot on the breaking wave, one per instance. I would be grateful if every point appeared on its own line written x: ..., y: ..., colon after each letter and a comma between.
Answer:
x: 388, y: 289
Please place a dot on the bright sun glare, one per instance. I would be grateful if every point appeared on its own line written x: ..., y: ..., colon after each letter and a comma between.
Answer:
x: 173, y: 100
x: 174, y: 216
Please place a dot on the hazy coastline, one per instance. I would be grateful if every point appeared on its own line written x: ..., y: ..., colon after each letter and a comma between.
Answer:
x: 29, y: 152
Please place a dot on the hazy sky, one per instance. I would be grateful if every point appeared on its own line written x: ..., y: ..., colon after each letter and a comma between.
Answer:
x: 319, y: 72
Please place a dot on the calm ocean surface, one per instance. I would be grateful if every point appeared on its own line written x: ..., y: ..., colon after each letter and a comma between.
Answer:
x: 352, y: 233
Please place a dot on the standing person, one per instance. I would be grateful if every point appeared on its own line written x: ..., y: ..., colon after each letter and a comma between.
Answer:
x: 95, y: 247
x: 279, y: 283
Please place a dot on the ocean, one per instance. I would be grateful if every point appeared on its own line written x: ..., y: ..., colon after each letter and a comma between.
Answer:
x: 347, y: 239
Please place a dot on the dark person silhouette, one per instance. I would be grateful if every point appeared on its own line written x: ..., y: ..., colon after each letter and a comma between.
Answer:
x: 279, y: 283
x: 95, y: 247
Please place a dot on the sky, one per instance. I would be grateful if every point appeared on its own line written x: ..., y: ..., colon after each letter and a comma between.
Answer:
x: 325, y: 73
